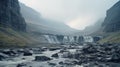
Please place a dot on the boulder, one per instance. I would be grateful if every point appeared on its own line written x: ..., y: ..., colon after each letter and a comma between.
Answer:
x: 21, y: 65
x: 10, y: 52
x: 42, y: 58
x: 55, y: 55
x: 115, y: 57
x: 28, y: 53
x: 54, y: 48
x: 52, y: 64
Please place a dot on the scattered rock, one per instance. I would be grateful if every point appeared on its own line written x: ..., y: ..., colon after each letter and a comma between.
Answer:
x: 3, y: 56
x: 52, y: 64
x: 68, y: 62
x: 42, y: 58
x: 9, y: 52
x: 61, y: 63
x: 55, y: 55
x: 21, y: 65
x: 54, y: 48
x: 28, y: 53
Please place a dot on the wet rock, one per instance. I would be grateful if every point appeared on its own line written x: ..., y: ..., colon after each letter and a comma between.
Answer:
x: 61, y: 63
x: 37, y: 50
x: 3, y: 56
x: 55, y: 55
x: 89, y: 49
x: 42, y: 58
x: 68, y: 62
x: 21, y: 65
x: 114, y: 58
x: 54, y: 48
x: 52, y: 64
x: 9, y: 52
x: 28, y: 53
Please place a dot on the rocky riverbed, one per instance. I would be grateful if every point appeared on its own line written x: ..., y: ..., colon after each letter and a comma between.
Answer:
x: 89, y: 55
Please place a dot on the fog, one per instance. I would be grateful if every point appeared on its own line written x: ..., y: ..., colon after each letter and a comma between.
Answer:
x: 77, y: 14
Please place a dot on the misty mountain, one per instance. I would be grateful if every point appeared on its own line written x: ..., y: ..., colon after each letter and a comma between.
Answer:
x: 93, y: 28
x: 36, y: 23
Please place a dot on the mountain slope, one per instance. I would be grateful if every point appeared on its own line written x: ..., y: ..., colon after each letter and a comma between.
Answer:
x: 111, y: 25
x: 35, y: 20
x: 10, y: 15
x: 112, y: 20
x: 12, y: 24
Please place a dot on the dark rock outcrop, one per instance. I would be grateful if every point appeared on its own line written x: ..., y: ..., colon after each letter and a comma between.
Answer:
x: 10, y: 16
x: 112, y: 20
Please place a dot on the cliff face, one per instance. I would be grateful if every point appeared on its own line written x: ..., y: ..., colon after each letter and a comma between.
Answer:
x: 10, y: 15
x: 112, y: 20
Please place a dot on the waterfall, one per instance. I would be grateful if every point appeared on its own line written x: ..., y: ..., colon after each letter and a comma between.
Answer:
x: 48, y: 38
x: 61, y: 39
x: 51, y: 39
x: 88, y: 39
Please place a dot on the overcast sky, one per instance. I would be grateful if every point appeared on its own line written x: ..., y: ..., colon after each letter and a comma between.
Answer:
x: 76, y: 13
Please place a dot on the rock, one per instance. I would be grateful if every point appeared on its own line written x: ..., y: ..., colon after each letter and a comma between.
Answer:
x: 114, y: 58
x: 55, y: 55
x: 54, y: 48
x: 10, y: 52
x: 28, y: 53
x: 61, y: 63
x: 42, y: 58
x: 3, y: 56
x: 21, y: 65
x: 68, y: 62
x: 89, y: 49
x: 52, y: 64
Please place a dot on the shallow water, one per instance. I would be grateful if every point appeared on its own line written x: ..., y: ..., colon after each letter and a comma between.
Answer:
x: 29, y: 60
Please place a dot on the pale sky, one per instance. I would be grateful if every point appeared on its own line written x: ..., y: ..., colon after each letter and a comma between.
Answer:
x: 76, y: 13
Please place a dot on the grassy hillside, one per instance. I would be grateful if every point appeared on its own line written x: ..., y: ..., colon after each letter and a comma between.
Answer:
x: 9, y: 37
x: 111, y: 38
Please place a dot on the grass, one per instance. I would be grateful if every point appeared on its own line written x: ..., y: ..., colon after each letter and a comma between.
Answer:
x: 9, y: 37
x: 111, y: 38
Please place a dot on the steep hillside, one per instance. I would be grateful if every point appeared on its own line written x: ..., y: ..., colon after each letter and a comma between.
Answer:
x: 10, y: 15
x: 12, y: 24
x: 111, y: 25
x: 112, y: 20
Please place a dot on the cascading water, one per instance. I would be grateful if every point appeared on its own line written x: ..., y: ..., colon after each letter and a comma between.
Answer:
x: 61, y: 39
x: 51, y: 39
x: 88, y: 39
